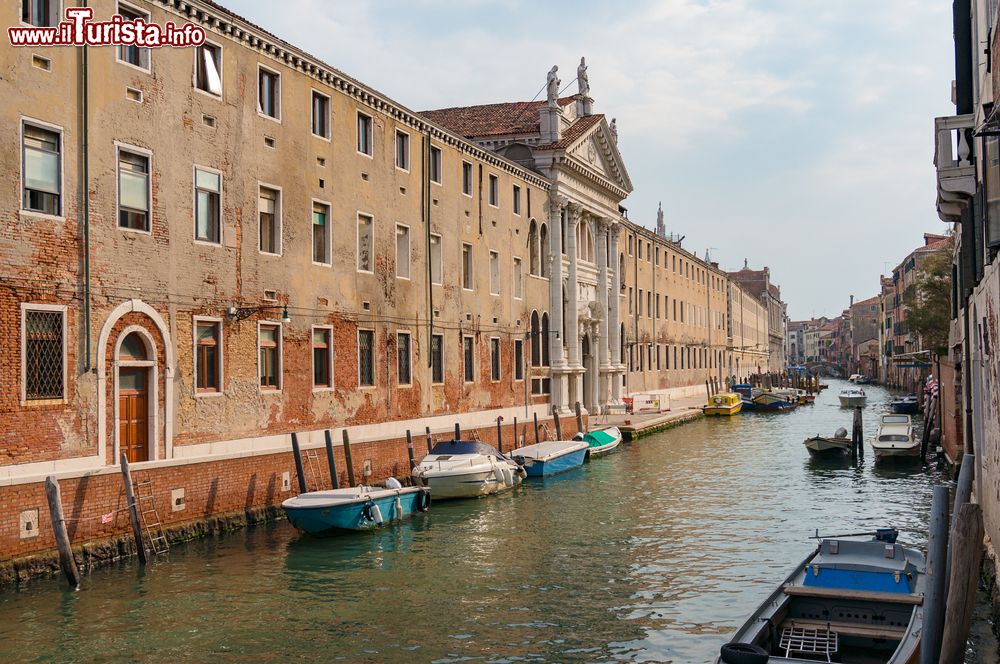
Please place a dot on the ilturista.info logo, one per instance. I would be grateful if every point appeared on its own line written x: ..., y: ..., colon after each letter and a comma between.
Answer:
x: 79, y: 29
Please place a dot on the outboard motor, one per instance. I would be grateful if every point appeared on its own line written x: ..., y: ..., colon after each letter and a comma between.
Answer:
x: 393, y: 483
x: 887, y: 535
x: 840, y: 433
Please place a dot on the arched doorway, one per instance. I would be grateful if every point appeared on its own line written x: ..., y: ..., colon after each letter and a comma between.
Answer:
x: 135, y: 395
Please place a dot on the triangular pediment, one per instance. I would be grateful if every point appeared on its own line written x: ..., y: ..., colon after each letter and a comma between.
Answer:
x: 597, y: 152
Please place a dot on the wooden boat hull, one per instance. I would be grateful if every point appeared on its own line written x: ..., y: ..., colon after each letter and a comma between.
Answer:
x: 550, y: 458
x: 820, y: 446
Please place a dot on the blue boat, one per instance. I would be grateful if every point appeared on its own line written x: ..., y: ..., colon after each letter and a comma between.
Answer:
x: 906, y: 405
x: 357, y: 508
x: 746, y: 392
x: 551, y: 457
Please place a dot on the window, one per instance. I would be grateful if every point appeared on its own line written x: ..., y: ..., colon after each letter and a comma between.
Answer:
x: 364, y: 134
x: 402, y: 251
x: 208, y: 68
x: 322, y: 358
x: 435, y: 165
x: 467, y: 281
x: 468, y: 359
x: 516, y: 198
x: 366, y: 358
x: 544, y: 342
x: 269, y: 93
x: 269, y: 345
x: 44, y: 352
x: 269, y: 220
x: 630, y: 251
x: 518, y: 279
x: 208, y: 357
x: 518, y: 359
x: 533, y: 248
x: 321, y: 233
x: 41, y: 170
x: 467, y: 178
x: 320, y: 115
x: 365, y: 243
x: 403, y: 376
x: 133, y: 190
x: 207, y: 197
x: 437, y: 358
x: 543, y: 250
x: 639, y: 310
x: 494, y: 358
x: 494, y: 273
x: 132, y: 54
x: 402, y: 150
x: 494, y: 190
x: 536, y: 342
x: 40, y: 13
x: 436, y: 257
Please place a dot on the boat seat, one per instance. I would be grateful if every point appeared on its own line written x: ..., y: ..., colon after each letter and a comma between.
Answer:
x: 862, y: 595
x: 890, y: 632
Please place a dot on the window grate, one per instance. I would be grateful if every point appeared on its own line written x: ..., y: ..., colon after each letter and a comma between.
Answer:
x: 43, y: 357
x: 366, y: 357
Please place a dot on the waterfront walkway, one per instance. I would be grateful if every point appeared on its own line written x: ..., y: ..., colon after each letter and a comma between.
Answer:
x: 637, y: 425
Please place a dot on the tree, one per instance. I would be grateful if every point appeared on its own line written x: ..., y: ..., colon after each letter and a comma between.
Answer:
x: 928, y: 301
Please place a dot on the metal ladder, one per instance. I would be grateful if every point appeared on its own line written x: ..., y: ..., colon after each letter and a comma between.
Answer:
x: 146, y: 506
x: 312, y: 458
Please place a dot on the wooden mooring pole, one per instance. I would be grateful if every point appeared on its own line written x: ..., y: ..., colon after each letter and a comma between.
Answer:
x: 409, y: 448
x: 500, y: 434
x: 347, y: 458
x: 334, y: 480
x: 858, y: 433
x: 297, y: 453
x: 963, y: 494
x: 536, y: 427
x: 66, y: 560
x: 458, y: 431
x: 928, y: 425
x: 555, y: 419
x: 133, y: 511
x: 967, y: 549
x: 517, y: 441
x: 430, y: 441
x: 579, y: 417
x: 934, y: 598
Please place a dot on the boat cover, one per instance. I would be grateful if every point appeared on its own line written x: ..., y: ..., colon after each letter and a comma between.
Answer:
x: 599, y: 438
x: 861, y: 566
x: 465, y: 447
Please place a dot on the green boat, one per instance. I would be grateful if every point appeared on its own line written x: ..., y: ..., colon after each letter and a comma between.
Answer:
x: 601, y: 441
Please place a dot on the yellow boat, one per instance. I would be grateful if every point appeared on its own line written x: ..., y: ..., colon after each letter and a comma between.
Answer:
x: 724, y: 403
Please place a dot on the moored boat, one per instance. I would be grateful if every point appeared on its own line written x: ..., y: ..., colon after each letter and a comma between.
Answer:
x: 905, y: 405
x: 747, y: 393
x: 601, y: 441
x: 895, y: 438
x: 466, y: 469
x: 724, y: 403
x: 852, y: 397
x: 552, y: 456
x: 848, y: 601
x: 357, y: 508
x: 773, y: 402
x: 822, y: 446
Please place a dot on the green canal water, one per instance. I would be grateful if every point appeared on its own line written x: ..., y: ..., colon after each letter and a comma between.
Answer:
x: 655, y: 553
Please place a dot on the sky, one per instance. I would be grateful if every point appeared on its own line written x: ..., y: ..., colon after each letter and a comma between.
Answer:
x: 796, y: 134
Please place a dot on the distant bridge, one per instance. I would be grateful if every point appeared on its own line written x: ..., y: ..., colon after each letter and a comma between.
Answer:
x: 827, y: 369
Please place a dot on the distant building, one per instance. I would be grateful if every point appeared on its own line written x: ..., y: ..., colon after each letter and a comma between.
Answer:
x: 758, y: 283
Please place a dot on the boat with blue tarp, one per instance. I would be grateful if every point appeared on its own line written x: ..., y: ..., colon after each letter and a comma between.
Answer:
x: 356, y: 508
x: 551, y: 456
x: 849, y: 601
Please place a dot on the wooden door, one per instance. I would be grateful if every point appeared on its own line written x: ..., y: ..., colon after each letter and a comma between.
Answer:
x: 133, y: 413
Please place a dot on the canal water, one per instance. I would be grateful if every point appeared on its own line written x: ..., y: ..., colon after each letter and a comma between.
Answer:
x: 655, y: 553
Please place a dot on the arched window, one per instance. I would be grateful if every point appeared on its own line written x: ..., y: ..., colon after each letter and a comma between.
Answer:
x: 621, y: 271
x: 536, y: 351
x: 591, y: 254
x: 545, y: 339
x: 543, y: 251
x: 533, y: 248
x: 133, y: 348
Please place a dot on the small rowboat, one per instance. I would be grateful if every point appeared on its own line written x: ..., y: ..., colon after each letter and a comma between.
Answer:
x: 848, y: 601
x: 601, y: 441
x: 357, y: 508
x: 551, y: 457
x: 725, y: 403
x: 840, y: 444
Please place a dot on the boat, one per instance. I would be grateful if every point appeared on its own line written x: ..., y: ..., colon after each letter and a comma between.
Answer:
x: 551, y: 457
x: 895, y: 438
x: 821, y: 446
x: 848, y: 601
x: 853, y: 397
x: 357, y: 508
x: 905, y: 405
x: 747, y: 393
x: 600, y: 441
x: 724, y: 403
x: 771, y: 402
x: 466, y: 469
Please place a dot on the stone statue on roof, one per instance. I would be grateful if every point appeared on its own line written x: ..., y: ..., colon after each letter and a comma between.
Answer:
x: 581, y: 78
x: 552, y: 85
x: 614, y: 129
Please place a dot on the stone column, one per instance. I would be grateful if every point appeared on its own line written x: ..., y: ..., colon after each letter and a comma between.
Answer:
x: 603, y: 366
x: 574, y: 211
x: 559, y: 395
x: 614, y: 324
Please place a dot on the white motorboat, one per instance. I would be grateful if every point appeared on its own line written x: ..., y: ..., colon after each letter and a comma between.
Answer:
x: 466, y: 469
x: 853, y: 396
x: 895, y: 438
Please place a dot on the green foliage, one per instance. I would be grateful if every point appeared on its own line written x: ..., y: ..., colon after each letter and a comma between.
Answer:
x: 928, y: 301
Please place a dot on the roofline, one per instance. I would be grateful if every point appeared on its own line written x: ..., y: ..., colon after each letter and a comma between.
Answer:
x: 217, y: 19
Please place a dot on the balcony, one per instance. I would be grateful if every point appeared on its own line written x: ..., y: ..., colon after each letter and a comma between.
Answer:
x: 955, y: 163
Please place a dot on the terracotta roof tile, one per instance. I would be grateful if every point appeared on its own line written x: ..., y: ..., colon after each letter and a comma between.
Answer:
x: 517, y: 117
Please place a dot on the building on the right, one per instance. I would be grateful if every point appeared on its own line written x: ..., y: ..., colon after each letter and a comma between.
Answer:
x: 758, y: 283
x: 967, y: 159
